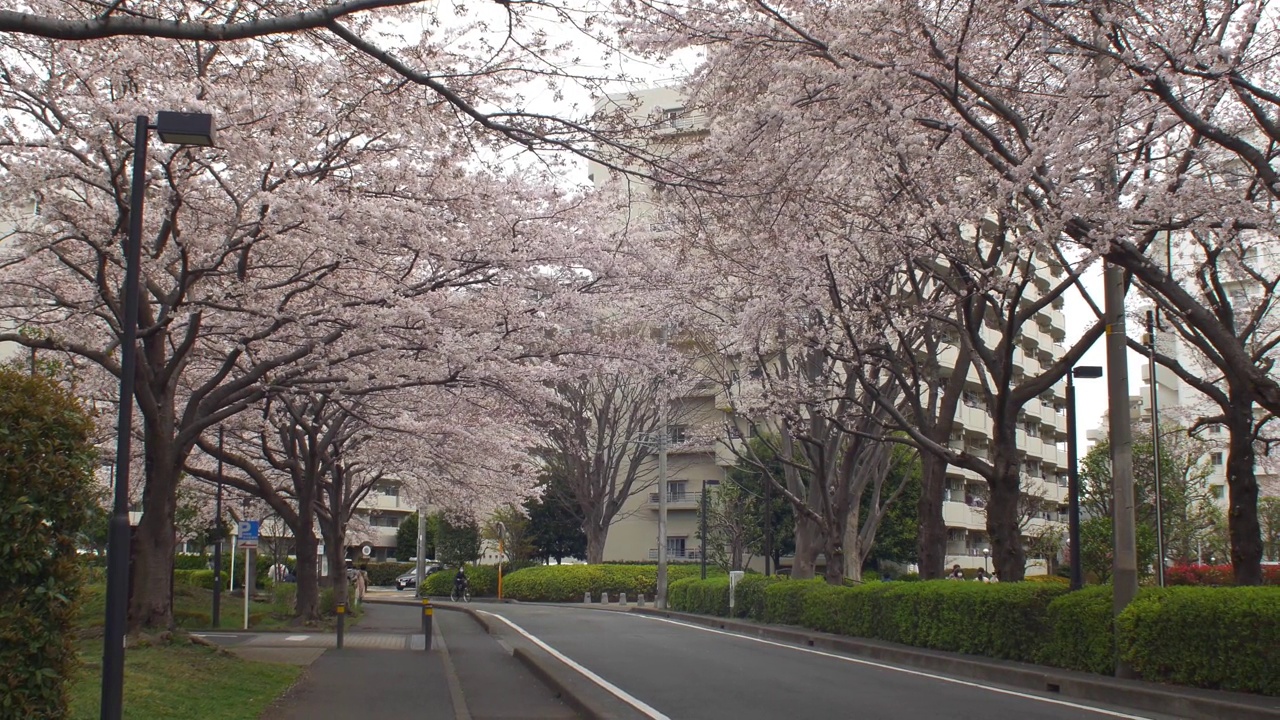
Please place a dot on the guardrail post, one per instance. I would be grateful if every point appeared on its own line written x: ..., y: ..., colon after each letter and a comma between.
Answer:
x: 342, y: 622
x: 427, y: 618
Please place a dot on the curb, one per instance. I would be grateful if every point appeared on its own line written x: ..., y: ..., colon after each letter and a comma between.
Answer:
x: 1192, y: 703
x: 586, y: 698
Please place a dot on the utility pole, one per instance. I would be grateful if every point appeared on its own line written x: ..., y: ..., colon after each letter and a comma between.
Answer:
x: 422, y: 551
x: 1124, y: 568
x: 217, y: 545
x: 768, y: 523
x: 661, y: 600
x: 1155, y: 443
x: 703, y: 552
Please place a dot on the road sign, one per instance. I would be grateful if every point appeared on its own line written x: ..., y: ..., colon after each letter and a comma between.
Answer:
x: 247, y: 533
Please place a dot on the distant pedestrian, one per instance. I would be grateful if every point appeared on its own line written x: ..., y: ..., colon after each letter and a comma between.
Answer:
x: 362, y: 584
x: 995, y: 577
x: 982, y: 576
x: 956, y: 573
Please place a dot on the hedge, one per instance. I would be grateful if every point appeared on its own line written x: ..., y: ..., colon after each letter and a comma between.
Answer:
x: 1081, y: 632
x: 1219, y: 638
x: 783, y: 601
x: 749, y: 596
x: 482, y: 579
x: 1222, y: 575
x: 47, y: 460
x: 385, y: 573
x: 568, y: 583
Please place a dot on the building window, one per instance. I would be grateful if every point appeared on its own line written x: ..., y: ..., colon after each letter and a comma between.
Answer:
x: 971, y: 399
x: 678, y: 434
x: 389, y: 521
x: 675, y: 546
x: 676, y: 490
x: 390, y: 490
x: 1217, y: 491
x: 1215, y: 458
x: 1032, y: 428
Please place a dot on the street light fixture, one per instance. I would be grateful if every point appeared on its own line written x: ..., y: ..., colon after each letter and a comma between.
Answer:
x: 172, y: 127
x: 1073, y: 474
x: 986, y: 555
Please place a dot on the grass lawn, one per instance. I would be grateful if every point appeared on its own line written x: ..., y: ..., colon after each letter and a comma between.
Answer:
x: 182, y: 682
x: 193, y: 607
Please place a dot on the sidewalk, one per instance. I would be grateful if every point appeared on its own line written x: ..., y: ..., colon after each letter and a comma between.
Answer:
x: 382, y: 668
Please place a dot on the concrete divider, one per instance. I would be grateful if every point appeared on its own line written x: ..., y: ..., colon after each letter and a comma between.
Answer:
x: 1192, y: 703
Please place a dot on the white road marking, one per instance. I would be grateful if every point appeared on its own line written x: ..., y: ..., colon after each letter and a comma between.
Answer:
x: 618, y: 692
x: 230, y: 635
x: 297, y: 638
x: 919, y: 673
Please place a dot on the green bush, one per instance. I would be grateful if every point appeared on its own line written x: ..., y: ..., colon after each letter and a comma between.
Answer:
x: 47, y: 460
x: 483, y: 580
x: 678, y: 595
x: 568, y: 583
x: 1225, y: 638
x: 1081, y: 632
x: 748, y: 601
x: 385, y: 573
x: 709, y: 597
x: 188, y: 561
x: 783, y: 601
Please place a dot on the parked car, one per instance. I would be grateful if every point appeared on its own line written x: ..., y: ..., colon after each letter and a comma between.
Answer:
x: 410, y: 579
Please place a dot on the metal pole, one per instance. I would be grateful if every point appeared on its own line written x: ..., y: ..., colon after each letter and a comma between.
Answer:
x: 768, y: 524
x: 1124, y: 569
x: 703, y: 552
x: 661, y: 600
x: 342, y: 622
x: 1073, y: 487
x: 422, y: 560
x: 118, y: 533
x: 1155, y: 444
x: 247, y: 566
x: 217, y: 545
x: 426, y: 623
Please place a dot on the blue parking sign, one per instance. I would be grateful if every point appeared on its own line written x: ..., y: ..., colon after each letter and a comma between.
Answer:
x: 247, y: 533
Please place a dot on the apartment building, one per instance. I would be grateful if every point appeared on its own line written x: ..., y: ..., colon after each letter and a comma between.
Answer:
x: 696, y: 467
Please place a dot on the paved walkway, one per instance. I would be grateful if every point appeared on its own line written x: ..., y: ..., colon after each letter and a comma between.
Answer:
x: 383, y: 669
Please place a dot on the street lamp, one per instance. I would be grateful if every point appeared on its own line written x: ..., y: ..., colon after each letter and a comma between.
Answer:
x: 183, y: 129
x: 706, y: 485
x: 986, y: 555
x: 1073, y: 474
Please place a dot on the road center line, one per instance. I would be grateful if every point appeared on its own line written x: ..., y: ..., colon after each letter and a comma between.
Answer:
x: 618, y: 692
x: 919, y: 673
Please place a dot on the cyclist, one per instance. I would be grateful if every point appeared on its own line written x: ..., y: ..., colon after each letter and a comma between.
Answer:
x: 460, y: 583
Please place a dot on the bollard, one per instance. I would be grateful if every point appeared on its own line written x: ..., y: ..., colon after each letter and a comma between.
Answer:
x: 342, y: 622
x: 622, y: 598
x: 586, y: 597
x: 426, y: 623
x: 604, y: 598
x: 640, y: 600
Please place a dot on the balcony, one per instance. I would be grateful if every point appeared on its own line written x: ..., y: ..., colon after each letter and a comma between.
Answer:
x: 676, y: 500
x: 673, y: 555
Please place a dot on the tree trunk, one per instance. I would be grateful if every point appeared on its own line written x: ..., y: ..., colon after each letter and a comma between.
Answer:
x: 150, y: 604
x: 931, y: 542
x: 808, y: 544
x: 1242, y: 486
x: 596, y: 535
x: 1003, y: 527
x: 852, y: 550
x: 307, y: 575
x: 335, y: 550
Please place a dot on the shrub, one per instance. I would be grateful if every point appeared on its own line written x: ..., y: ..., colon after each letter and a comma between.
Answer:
x: 568, y: 583
x: 678, y: 595
x: 483, y: 580
x: 385, y: 573
x: 783, y: 601
x: 1219, y: 638
x: 188, y: 561
x: 1081, y: 631
x: 709, y: 597
x: 749, y: 596
x: 46, y: 467
x: 1214, y: 575
x: 1056, y: 579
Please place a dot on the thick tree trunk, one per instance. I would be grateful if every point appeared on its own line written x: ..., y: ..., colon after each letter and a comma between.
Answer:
x: 150, y: 605
x: 808, y: 545
x: 1242, y: 486
x: 596, y: 535
x: 308, y: 576
x: 1003, y: 527
x: 336, y: 551
x: 931, y: 542
x: 852, y: 549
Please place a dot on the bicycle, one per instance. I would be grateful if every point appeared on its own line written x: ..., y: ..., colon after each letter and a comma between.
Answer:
x: 466, y: 594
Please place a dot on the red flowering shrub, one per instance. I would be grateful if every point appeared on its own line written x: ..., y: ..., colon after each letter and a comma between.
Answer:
x: 1214, y: 575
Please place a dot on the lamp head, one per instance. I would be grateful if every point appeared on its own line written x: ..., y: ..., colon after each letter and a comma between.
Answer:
x: 185, y: 128
x: 1087, y: 371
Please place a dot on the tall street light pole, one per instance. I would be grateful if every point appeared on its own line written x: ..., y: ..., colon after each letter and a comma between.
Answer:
x: 182, y: 129
x: 1155, y: 443
x: 1073, y: 473
x: 1124, y: 558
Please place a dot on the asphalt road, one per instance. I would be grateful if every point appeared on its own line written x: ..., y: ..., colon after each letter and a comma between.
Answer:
x: 687, y: 672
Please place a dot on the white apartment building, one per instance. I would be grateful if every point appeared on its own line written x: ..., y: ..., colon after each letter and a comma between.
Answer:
x: 693, y: 468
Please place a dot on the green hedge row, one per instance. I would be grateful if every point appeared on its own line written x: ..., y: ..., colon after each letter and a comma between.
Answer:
x: 483, y: 580
x: 568, y: 583
x: 1218, y: 638
x: 385, y: 573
